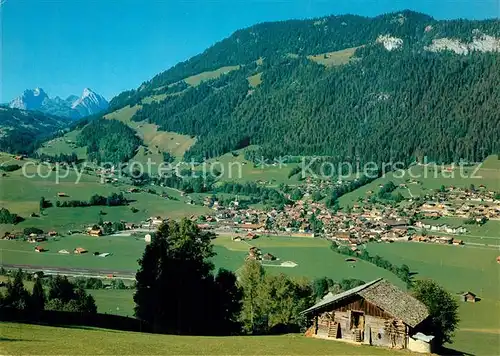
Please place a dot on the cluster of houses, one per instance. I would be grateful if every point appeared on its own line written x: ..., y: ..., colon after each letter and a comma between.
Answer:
x: 441, y: 228
x: 151, y: 223
x: 255, y: 254
x: 383, y: 224
x: 361, y: 224
x: 463, y: 203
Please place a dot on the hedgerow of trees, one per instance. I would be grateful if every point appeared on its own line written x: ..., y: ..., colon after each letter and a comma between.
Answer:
x: 114, y: 199
x: 62, y: 296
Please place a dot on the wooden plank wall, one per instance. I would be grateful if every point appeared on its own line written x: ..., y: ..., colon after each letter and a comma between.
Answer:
x: 359, y: 304
x: 375, y: 331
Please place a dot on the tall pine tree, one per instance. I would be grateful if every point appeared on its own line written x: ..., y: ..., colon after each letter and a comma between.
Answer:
x: 176, y: 291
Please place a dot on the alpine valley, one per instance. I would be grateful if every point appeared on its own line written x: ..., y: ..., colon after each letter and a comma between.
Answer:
x: 235, y: 238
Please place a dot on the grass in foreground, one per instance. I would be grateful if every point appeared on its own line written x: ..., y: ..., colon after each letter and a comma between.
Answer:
x: 35, y: 339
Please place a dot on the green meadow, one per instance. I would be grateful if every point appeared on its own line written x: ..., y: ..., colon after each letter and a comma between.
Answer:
x: 237, y: 168
x: 114, y: 301
x: 17, y: 339
x: 195, y: 80
x: 459, y: 269
x: 331, y: 59
x: 124, y: 250
x: 21, y: 195
x: 65, y: 144
x: 312, y: 256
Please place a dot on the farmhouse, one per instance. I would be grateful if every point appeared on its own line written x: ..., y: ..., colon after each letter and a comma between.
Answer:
x: 268, y: 257
x: 376, y: 313
x: 95, y: 232
x: 9, y: 236
x: 253, y: 254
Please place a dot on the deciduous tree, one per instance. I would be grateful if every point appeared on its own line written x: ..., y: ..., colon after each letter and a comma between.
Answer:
x: 443, y: 309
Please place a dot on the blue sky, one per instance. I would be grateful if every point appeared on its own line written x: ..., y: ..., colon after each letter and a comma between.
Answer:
x: 114, y: 45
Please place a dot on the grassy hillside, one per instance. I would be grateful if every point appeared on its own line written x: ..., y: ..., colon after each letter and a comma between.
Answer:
x: 65, y: 144
x: 428, y: 178
x: 156, y: 142
x: 237, y: 168
x: 196, y: 79
x: 21, y: 195
x: 331, y: 59
x: 33, y: 339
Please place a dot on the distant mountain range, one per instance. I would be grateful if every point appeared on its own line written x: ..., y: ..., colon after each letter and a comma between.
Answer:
x: 89, y: 103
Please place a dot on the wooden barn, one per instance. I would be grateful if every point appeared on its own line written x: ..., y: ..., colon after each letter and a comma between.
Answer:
x: 376, y: 313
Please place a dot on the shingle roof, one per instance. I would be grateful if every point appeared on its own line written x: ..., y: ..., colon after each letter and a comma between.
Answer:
x: 386, y: 296
x: 332, y: 298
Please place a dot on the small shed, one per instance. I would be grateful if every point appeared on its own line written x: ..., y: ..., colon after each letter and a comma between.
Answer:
x: 268, y: 257
x: 80, y: 250
x: 469, y: 297
x: 420, y: 343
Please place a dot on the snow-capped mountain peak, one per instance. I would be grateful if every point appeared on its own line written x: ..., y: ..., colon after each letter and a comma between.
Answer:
x: 89, y: 103
x: 31, y: 99
x: 87, y: 92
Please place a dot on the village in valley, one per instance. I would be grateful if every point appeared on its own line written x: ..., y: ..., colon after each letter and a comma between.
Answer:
x: 375, y: 217
x: 378, y: 220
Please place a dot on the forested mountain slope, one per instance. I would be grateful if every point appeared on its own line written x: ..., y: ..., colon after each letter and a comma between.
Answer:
x: 21, y: 130
x: 414, y: 86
